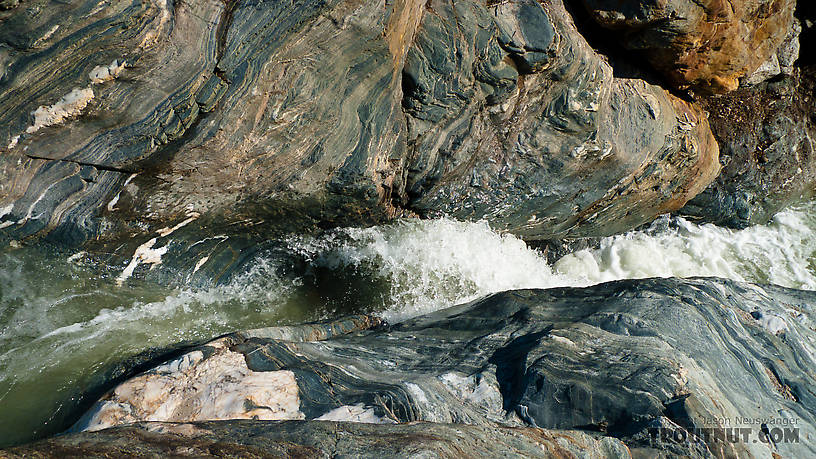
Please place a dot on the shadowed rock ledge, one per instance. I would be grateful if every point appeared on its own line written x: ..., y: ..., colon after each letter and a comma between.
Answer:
x: 623, y: 359
x: 707, y: 45
x: 748, y: 50
x: 767, y: 137
x: 324, y: 439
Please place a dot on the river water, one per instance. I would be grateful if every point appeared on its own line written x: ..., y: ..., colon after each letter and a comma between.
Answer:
x: 62, y: 324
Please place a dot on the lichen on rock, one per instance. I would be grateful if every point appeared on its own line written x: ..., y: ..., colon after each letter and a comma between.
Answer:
x: 103, y: 73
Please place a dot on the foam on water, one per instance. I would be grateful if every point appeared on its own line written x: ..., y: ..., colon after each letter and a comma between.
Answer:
x: 55, y: 335
x: 59, y: 323
x: 433, y: 264
x: 781, y: 252
x: 437, y: 263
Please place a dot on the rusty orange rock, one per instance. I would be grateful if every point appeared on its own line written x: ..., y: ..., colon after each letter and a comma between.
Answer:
x: 707, y: 45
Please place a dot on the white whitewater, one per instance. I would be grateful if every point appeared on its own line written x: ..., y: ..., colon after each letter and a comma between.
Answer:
x: 438, y: 263
x: 781, y: 252
x: 59, y: 324
x: 426, y: 265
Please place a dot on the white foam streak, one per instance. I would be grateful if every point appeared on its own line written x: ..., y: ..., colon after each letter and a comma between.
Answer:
x: 179, y: 314
x: 780, y: 253
x: 433, y: 264
x: 437, y: 263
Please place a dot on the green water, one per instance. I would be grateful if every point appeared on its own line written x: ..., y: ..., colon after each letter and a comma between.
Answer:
x: 63, y: 324
x: 60, y: 324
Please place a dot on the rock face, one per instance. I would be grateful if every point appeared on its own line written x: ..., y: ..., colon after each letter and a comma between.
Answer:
x: 638, y: 360
x: 707, y: 45
x: 532, y: 131
x: 323, y: 439
x: 120, y: 120
x: 766, y: 135
x: 214, y: 382
x: 764, y: 129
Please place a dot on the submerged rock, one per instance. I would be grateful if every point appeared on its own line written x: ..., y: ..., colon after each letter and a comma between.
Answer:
x: 121, y: 120
x: 639, y: 360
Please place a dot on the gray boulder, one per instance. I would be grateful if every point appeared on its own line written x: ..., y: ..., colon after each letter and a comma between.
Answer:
x: 664, y: 365
x: 123, y: 123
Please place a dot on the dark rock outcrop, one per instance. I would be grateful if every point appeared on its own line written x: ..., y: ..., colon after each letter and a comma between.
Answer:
x: 626, y: 358
x: 323, y: 439
x: 708, y: 45
x: 122, y: 121
x: 767, y: 136
x: 806, y: 13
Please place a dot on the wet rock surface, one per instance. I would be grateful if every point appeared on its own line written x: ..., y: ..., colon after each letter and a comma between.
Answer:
x: 766, y: 135
x: 623, y: 358
x: 191, y: 137
x: 123, y: 120
x: 323, y: 439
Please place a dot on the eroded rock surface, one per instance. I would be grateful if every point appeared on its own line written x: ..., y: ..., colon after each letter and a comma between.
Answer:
x: 322, y: 439
x: 541, y: 139
x: 122, y: 119
x: 624, y: 358
x: 704, y: 44
x: 767, y: 137
x: 214, y: 382
x: 194, y: 388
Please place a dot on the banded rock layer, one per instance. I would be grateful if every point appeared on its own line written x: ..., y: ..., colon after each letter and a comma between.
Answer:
x: 622, y: 358
x: 323, y: 439
x: 120, y: 119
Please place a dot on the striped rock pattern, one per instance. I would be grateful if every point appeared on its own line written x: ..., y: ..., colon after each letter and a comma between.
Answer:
x: 629, y: 359
x: 121, y: 119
